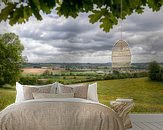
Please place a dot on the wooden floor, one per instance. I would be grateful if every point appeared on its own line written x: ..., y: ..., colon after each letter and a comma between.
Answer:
x: 147, y: 121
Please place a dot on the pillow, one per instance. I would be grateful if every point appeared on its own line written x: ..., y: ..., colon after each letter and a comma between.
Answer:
x: 28, y: 90
x: 51, y: 95
x: 52, y: 90
x: 80, y: 91
x: 19, y: 93
x: 20, y: 90
x: 59, y: 85
x: 65, y: 89
x: 92, y: 92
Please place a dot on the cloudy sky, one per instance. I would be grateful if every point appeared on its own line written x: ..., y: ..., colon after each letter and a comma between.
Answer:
x: 56, y: 39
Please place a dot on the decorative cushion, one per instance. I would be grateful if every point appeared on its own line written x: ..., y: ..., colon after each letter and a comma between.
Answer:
x: 80, y: 91
x: 29, y: 90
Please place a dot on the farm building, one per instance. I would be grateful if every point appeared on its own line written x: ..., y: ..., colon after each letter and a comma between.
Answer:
x: 121, y: 55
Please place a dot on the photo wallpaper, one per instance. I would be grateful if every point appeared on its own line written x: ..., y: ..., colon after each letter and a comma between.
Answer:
x: 126, y: 62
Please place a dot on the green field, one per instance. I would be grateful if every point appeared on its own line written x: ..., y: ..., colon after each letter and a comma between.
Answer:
x: 7, y: 96
x: 147, y: 95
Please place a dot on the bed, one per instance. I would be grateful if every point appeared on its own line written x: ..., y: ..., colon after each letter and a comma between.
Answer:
x: 64, y: 113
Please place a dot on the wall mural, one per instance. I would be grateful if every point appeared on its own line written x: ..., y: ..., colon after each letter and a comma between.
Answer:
x: 51, y: 52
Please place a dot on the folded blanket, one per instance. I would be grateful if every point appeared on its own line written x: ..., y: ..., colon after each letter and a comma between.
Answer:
x: 124, y: 100
x: 123, y: 107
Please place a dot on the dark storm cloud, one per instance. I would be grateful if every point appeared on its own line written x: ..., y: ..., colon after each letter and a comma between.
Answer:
x: 146, y: 22
x: 84, y: 48
x: 42, y: 35
x: 70, y: 26
x: 52, y: 29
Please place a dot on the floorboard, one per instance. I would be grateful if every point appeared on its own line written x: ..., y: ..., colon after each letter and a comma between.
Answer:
x: 147, y: 121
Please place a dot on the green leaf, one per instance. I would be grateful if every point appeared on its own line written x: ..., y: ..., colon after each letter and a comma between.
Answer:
x: 37, y: 4
x: 35, y: 10
x: 99, y: 3
x: 27, y: 12
x: 97, y: 14
x: 7, y: 11
x: 106, y: 24
x: 139, y: 10
x: 87, y: 5
x: 161, y: 2
x: 20, y: 15
x: 154, y: 4
x: 67, y: 10
x: 47, y: 6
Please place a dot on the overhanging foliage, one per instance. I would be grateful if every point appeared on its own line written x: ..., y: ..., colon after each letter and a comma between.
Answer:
x: 107, y: 12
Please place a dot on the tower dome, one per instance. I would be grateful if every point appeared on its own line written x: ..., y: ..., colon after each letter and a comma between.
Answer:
x: 121, y: 55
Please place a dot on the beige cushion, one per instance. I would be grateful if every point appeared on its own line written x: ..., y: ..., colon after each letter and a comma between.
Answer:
x: 65, y: 89
x: 80, y: 91
x: 29, y: 90
x: 51, y: 95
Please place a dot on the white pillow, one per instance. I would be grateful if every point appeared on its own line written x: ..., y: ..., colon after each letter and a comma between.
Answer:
x: 19, y: 93
x: 92, y: 92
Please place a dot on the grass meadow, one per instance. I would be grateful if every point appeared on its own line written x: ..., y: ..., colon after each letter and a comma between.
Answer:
x: 147, y: 95
x: 7, y: 97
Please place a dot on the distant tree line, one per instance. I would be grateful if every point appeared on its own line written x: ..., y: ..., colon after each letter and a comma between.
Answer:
x: 69, y: 78
x: 155, y: 71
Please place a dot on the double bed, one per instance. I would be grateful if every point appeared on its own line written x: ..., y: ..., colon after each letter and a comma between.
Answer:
x: 60, y: 114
